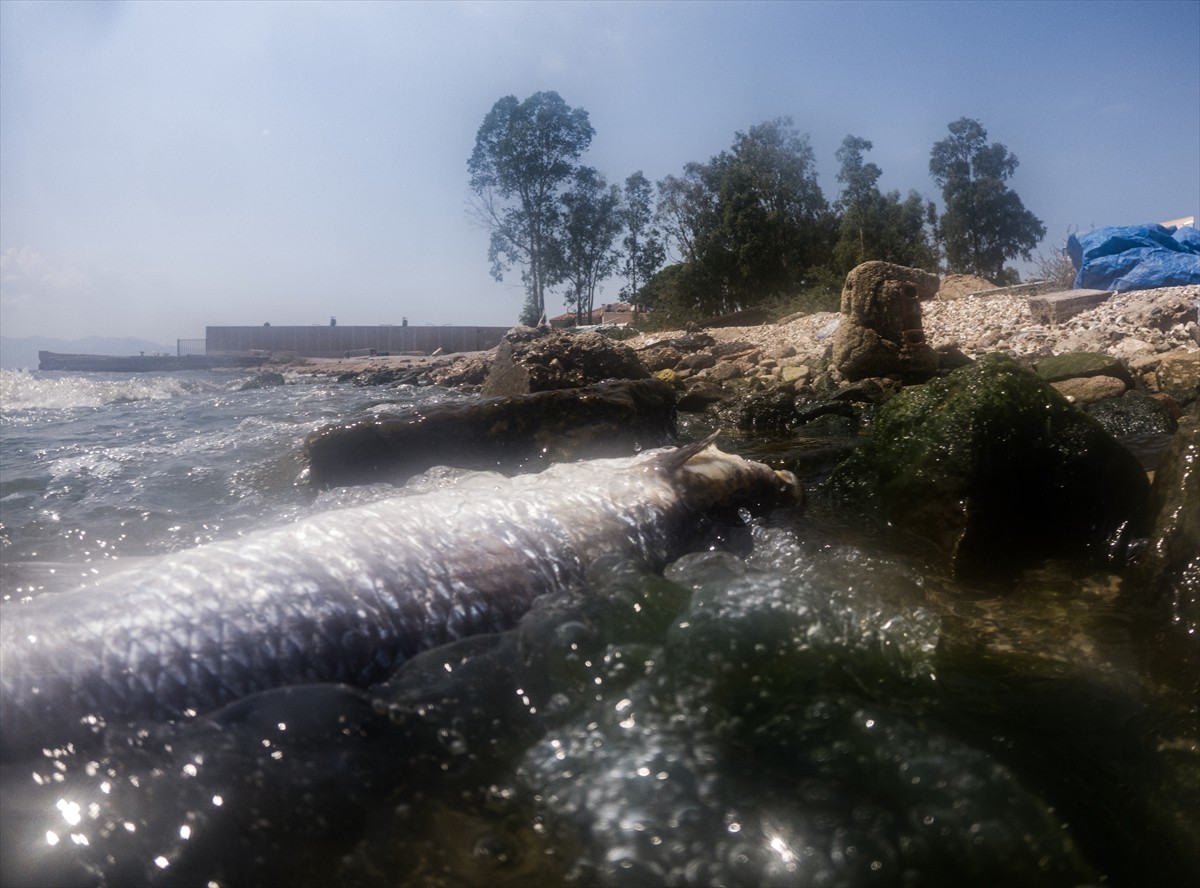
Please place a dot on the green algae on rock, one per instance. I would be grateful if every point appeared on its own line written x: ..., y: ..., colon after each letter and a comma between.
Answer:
x: 990, y: 466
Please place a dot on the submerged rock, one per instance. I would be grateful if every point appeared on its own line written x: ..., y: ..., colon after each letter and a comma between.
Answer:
x: 991, y: 466
x: 523, y: 433
x: 1133, y: 413
x: 1170, y: 567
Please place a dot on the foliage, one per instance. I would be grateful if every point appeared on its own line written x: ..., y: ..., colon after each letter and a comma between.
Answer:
x: 583, y: 252
x: 524, y: 154
x: 749, y: 223
x: 876, y: 225
x: 644, y: 251
x: 983, y: 223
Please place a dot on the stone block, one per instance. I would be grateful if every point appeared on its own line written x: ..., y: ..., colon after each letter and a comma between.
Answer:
x: 1053, y: 308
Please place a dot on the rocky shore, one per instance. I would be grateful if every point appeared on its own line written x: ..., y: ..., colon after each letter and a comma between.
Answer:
x: 1136, y: 327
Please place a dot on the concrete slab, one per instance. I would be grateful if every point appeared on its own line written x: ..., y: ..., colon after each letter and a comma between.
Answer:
x: 1053, y: 308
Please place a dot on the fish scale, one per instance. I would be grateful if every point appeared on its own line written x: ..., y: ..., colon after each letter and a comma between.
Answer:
x: 348, y: 595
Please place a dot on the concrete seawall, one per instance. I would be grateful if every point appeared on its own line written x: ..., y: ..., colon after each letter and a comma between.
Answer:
x: 336, y: 342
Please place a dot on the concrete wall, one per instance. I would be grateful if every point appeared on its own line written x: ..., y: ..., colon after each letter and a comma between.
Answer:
x: 334, y: 342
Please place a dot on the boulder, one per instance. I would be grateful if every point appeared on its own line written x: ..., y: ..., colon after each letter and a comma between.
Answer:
x: 990, y: 467
x: 880, y: 332
x: 538, y: 360
x: 522, y: 433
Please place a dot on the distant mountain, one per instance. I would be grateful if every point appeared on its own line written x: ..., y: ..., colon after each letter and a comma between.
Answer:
x: 16, y: 353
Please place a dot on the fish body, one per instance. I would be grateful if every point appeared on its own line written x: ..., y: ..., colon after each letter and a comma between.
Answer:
x: 345, y: 596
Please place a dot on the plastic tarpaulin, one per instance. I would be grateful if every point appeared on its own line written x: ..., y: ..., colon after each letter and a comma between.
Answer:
x: 1136, y: 257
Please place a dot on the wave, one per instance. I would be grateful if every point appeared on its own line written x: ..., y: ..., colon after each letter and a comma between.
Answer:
x: 23, y: 390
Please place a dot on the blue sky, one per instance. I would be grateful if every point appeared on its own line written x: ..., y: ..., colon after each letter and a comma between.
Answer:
x: 164, y: 166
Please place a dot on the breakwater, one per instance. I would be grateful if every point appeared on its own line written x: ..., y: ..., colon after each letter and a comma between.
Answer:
x: 337, y: 341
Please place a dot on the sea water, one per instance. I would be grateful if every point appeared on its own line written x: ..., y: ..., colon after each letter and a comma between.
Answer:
x: 800, y: 704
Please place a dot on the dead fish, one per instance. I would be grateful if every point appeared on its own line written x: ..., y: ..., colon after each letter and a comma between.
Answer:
x: 349, y: 595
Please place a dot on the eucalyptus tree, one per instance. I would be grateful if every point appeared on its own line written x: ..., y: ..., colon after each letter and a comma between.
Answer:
x: 983, y: 222
x: 750, y: 223
x: 644, y: 253
x: 525, y: 154
x: 875, y: 225
x: 584, y: 250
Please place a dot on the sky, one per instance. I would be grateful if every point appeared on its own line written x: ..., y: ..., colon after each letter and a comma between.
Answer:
x: 168, y: 166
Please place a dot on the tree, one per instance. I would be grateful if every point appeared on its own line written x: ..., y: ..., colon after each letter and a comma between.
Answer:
x: 750, y: 223
x: 876, y: 225
x: 860, y: 194
x: 644, y: 252
x: 583, y: 251
x: 524, y: 154
x: 983, y: 222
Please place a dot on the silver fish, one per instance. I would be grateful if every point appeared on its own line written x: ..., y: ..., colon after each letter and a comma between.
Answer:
x: 348, y: 595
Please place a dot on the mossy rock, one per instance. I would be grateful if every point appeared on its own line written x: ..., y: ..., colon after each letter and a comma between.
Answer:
x: 1074, y: 365
x: 990, y: 467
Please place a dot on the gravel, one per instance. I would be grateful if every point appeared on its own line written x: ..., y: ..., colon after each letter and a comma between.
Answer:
x: 1126, y: 326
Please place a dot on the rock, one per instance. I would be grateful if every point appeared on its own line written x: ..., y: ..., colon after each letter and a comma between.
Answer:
x: 529, y: 360
x: 1178, y: 375
x: 388, y: 376
x: 990, y: 468
x: 1081, y: 364
x: 700, y: 395
x: 1134, y: 413
x: 794, y: 374
x: 1089, y: 389
x: 723, y: 372
x: 1170, y: 567
x: 261, y: 381
x: 880, y: 331
x: 471, y: 370
x: 951, y: 357
x: 697, y: 361
x: 1131, y: 347
x: 660, y: 357
x: 769, y: 411
x: 519, y: 433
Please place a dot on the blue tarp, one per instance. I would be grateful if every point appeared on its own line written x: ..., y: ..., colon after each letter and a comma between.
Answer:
x: 1136, y: 257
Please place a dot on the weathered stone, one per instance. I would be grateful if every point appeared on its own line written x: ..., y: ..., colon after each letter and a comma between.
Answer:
x: 529, y: 360
x: 1053, y: 308
x: 1089, y: 389
x: 990, y: 467
x: 519, y: 433
x: 880, y: 331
